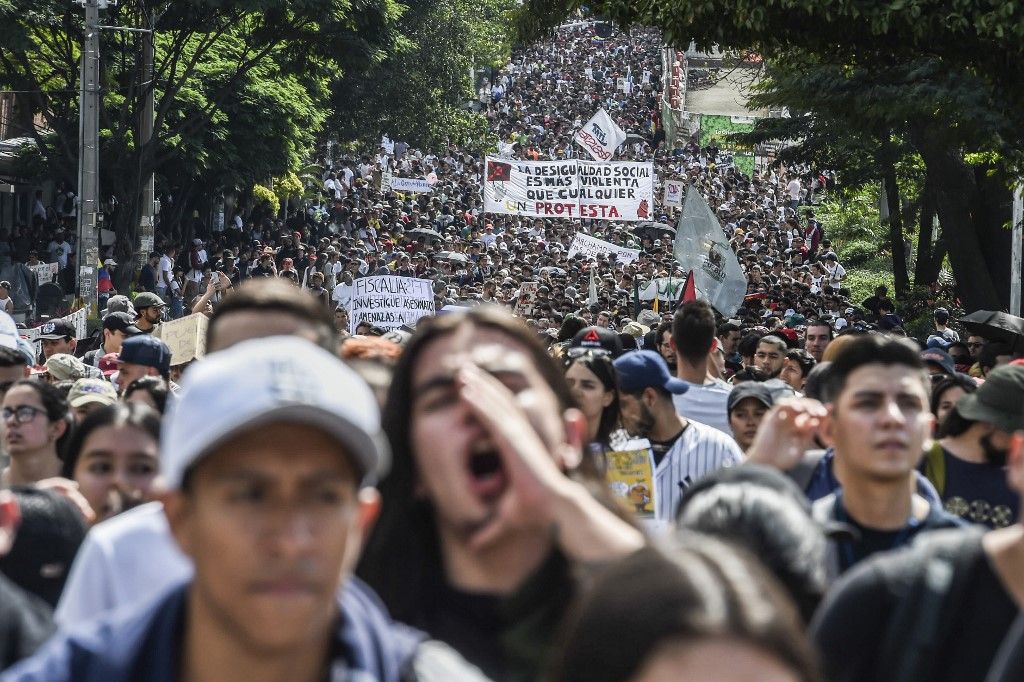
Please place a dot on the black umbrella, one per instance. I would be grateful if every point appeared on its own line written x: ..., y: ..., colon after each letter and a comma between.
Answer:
x: 423, y: 232
x: 996, y: 325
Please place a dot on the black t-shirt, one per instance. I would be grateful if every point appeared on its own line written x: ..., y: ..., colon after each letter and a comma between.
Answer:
x: 508, y: 638
x: 851, y: 626
x: 978, y: 493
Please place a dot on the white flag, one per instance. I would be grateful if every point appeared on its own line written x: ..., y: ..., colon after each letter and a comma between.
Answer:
x: 592, y: 293
x: 600, y: 136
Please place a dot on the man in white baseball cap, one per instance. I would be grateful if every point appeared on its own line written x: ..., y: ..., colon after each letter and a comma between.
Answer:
x: 269, y: 455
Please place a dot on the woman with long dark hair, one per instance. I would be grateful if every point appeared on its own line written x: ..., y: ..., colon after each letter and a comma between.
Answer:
x: 592, y: 380
x: 488, y: 508
x: 113, y: 456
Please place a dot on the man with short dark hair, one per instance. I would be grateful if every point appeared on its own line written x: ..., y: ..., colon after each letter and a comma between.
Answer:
x: 149, y: 311
x: 693, y: 336
x: 684, y: 450
x: 140, y: 356
x: 58, y: 336
x: 940, y: 317
x: 817, y: 337
x: 770, y: 355
x: 115, y: 329
x: 795, y: 368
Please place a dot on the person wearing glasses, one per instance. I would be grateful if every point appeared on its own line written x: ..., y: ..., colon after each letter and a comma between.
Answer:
x: 35, y: 422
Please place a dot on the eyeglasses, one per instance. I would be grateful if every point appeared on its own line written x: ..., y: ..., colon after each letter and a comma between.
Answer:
x: 957, y: 360
x: 22, y: 414
x: 975, y: 345
x: 575, y: 353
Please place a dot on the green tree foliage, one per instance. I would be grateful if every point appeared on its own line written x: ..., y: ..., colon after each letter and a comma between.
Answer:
x: 420, y: 92
x: 241, y: 89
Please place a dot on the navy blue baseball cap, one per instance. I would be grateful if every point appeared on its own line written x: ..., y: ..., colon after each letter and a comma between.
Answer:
x: 644, y: 368
x: 146, y: 350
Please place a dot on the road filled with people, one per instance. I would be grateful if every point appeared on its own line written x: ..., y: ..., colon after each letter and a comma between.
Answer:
x: 429, y: 428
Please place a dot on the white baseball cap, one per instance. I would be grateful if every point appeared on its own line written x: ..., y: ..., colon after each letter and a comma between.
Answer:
x: 281, y: 378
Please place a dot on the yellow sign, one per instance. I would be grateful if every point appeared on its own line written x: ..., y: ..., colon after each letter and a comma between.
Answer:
x: 630, y: 476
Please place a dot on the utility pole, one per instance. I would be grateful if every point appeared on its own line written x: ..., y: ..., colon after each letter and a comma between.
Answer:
x: 1015, y: 250
x: 147, y: 227
x: 87, y: 248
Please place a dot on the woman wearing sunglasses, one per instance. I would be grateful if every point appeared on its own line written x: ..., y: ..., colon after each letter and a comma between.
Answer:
x: 35, y: 424
x: 592, y: 379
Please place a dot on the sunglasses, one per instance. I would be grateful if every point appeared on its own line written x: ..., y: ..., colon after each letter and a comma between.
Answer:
x: 575, y: 353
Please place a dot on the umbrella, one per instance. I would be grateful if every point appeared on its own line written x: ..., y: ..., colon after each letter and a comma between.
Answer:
x: 654, y: 230
x: 423, y: 232
x: 453, y: 255
x: 996, y: 326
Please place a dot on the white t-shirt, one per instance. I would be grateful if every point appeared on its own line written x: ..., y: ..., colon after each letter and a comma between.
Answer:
x: 794, y: 189
x: 166, y: 265
x: 707, y: 404
x: 131, y: 558
x: 342, y: 295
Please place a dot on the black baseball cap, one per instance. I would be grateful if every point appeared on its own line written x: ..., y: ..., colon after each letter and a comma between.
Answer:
x: 598, y: 338
x: 56, y: 330
x: 749, y: 389
x: 121, y: 322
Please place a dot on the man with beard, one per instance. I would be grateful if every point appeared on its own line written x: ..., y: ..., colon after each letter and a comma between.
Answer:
x: 967, y: 466
x: 770, y: 355
x: 684, y: 450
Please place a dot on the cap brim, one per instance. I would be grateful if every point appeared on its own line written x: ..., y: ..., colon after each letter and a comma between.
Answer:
x: 969, y: 407
x: 676, y: 386
x: 52, y: 337
x: 132, y: 330
x: 371, y: 455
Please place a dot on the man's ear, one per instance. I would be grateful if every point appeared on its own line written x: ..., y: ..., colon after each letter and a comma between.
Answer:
x: 826, y: 431
x: 178, y: 508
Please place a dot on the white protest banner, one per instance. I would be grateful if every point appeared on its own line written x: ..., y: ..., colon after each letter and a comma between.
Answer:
x: 526, y: 297
x: 600, y: 136
x: 186, y: 337
x: 386, y: 178
x: 389, y: 301
x: 674, y: 193
x: 592, y: 246
x: 77, y: 320
x: 45, y: 272
x: 410, y: 185
x: 618, y: 190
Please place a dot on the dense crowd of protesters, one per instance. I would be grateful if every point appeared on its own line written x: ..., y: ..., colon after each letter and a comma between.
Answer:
x: 818, y: 496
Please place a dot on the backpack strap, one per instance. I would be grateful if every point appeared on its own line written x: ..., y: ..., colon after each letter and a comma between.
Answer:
x: 929, y: 604
x: 935, y: 467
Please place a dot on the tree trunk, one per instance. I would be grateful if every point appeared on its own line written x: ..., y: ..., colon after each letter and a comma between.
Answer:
x: 955, y: 190
x: 925, y: 273
x: 901, y: 281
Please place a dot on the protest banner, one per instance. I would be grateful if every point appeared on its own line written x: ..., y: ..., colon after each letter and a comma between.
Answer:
x: 702, y: 246
x: 600, y: 136
x: 617, y: 190
x: 674, y: 193
x: 386, y: 178
x: 630, y: 476
x: 592, y: 246
x: 410, y: 185
x: 186, y: 337
x: 527, y: 297
x: 78, y: 320
x: 45, y: 272
x: 389, y: 301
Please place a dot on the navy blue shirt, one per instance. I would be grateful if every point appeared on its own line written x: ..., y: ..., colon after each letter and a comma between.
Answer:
x: 978, y: 493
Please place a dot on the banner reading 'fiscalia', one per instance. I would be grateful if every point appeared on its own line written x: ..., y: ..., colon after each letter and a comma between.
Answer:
x: 622, y: 190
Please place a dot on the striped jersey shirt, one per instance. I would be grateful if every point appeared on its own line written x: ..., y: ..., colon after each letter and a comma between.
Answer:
x: 698, y: 451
